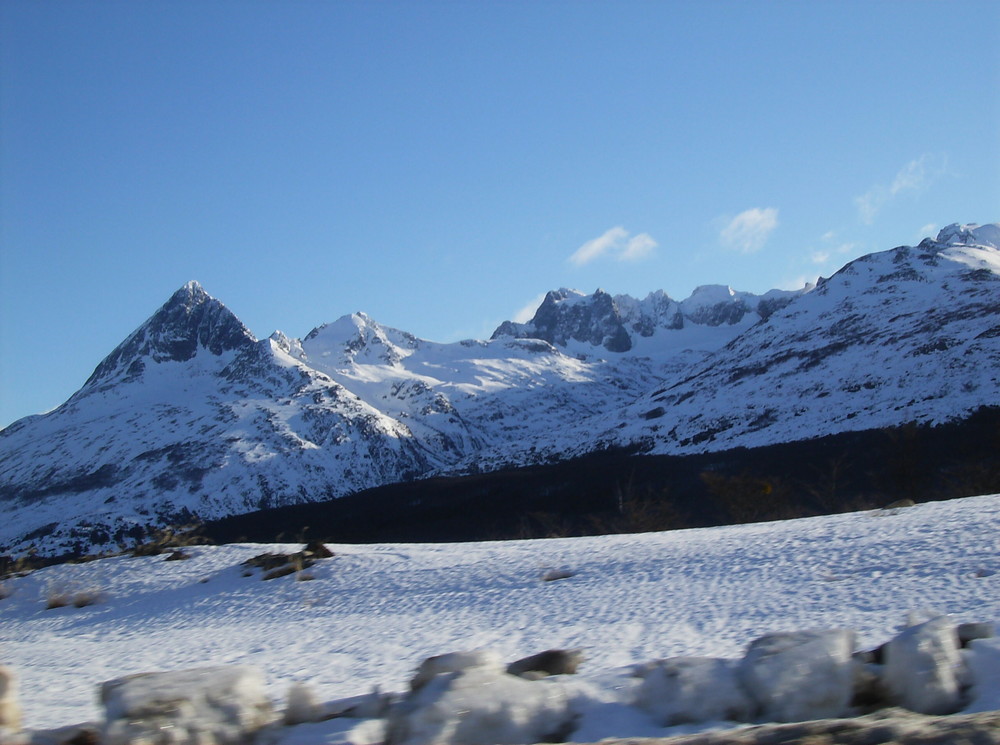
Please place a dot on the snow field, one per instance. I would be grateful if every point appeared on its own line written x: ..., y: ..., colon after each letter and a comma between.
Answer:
x: 372, y: 613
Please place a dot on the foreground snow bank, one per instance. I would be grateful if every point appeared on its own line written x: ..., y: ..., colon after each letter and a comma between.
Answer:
x: 783, y: 677
x: 371, y: 613
x: 473, y: 698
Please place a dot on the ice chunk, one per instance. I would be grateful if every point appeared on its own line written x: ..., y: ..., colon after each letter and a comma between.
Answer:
x: 481, y: 706
x: 984, y: 667
x: 970, y: 631
x: 301, y: 707
x: 923, y: 667
x: 693, y: 689
x: 800, y: 675
x: 215, y: 704
x: 10, y: 708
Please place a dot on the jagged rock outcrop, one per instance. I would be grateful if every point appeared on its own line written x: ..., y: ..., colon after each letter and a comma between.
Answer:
x: 617, y: 324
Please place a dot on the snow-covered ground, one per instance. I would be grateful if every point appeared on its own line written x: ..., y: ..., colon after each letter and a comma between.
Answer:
x: 373, y: 612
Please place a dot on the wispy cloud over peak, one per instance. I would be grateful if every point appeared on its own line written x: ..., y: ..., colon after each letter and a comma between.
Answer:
x: 638, y: 247
x: 749, y: 230
x: 927, y: 231
x: 616, y: 243
x: 918, y: 174
x: 913, y: 177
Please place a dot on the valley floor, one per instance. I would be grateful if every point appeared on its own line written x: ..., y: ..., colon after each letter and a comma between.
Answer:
x: 373, y: 612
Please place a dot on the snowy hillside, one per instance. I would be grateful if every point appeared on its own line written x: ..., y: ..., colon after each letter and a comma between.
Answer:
x: 372, y: 613
x: 906, y: 335
x: 192, y: 417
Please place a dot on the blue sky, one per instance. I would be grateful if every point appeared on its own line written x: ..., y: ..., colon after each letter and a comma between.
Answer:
x: 439, y: 165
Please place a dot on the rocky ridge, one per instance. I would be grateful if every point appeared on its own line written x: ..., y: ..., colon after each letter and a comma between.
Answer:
x: 619, y: 323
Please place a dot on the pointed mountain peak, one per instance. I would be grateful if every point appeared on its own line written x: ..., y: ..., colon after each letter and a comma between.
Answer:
x: 191, y: 293
x: 189, y: 321
x: 358, y: 338
x: 344, y: 329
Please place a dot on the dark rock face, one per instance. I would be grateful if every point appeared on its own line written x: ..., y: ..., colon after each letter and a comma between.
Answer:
x: 767, y: 306
x: 722, y: 313
x: 562, y: 318
x: 549, y: 662
x: 596, y: 321
x: 614, y: 323
x: 189, y: 320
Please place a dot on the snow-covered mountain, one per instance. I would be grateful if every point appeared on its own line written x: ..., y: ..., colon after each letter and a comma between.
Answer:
x: 191, y: 416
x: 906, y: 335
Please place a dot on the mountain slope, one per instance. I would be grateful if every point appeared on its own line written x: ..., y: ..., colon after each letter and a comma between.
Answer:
x: 906, y: 335
x: 192, y: 417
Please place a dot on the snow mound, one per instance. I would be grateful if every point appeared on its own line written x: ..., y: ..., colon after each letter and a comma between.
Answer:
x: 480, y: 706
x: 800, y: 675
x: 693, y: 689
x: 984, y: 670
x: 221, y: 705
x: 924, y: 669
x: 454, y: 662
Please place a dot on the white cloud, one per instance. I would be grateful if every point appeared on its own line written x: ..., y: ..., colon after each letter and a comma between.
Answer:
x: 616, y: 243
x: 832, y: 247
x: 930, y: 230
x: 527, y: 312
x: 749, y: 230
x: 914, y: 177
x: 870, y: 203
x: 638, y: 247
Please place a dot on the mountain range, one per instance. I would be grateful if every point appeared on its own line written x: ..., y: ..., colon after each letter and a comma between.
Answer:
x: 193, y: 418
